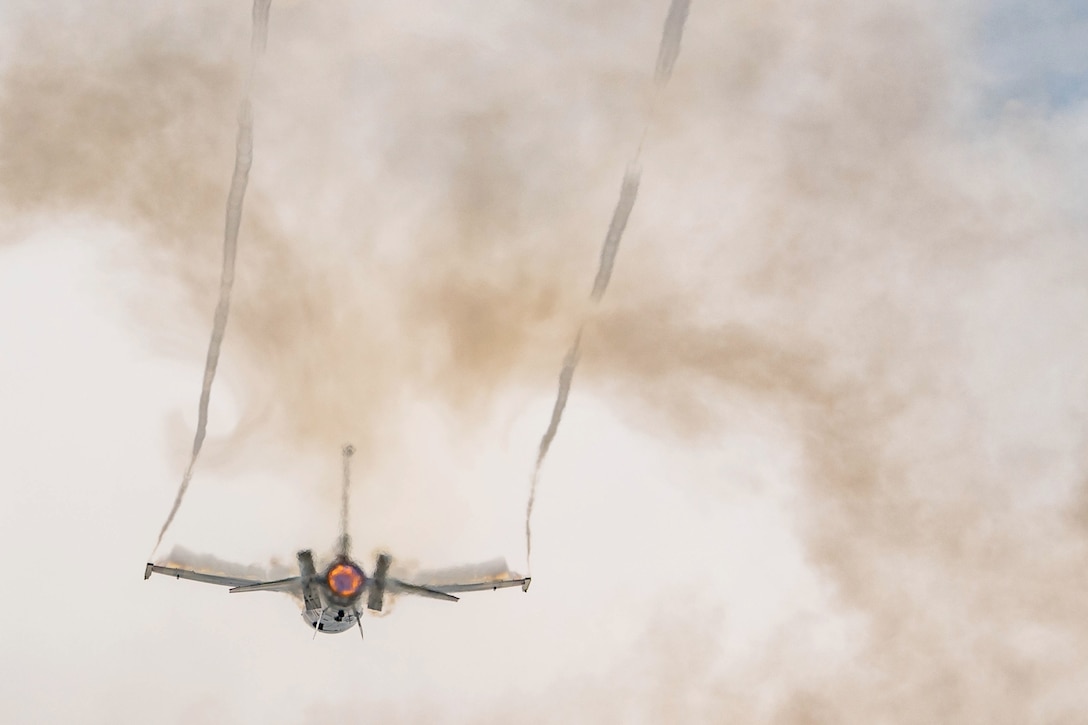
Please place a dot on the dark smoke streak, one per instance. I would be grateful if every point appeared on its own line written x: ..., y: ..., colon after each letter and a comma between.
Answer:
x: 666, y: 59
x: 243, y: 160
x: 611, y: 245
x: 670, y: 40
x: 628, y: 193
x: 566, y: 376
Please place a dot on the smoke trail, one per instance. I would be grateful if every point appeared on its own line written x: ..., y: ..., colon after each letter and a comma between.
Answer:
x: 566, y: 375
x: 243, y: 159
x: 670, y: 40
x: 628, y: 192
x: 666, y: 58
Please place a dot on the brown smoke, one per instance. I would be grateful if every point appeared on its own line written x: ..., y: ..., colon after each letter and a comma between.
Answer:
x: 826, y: 234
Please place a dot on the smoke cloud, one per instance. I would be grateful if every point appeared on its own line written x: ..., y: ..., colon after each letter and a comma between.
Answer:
x: 839, y: 235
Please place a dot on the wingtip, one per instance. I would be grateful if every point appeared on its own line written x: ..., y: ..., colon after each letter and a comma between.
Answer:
x: 525, y: 585
x: 147, y: 570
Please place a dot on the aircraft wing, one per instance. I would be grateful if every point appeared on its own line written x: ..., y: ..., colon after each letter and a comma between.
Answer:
x: 396, y: 586
x: 236, y: 584
x: 290, y: 584
x: 480, y: 577
x: 198, y: 576
x: 483, y: 585
x: 473, y: 577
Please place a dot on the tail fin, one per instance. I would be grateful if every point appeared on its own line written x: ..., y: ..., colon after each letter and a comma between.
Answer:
x: 344, y: 543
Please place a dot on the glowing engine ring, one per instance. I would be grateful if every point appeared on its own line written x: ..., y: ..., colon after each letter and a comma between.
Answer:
x: 345, y: 580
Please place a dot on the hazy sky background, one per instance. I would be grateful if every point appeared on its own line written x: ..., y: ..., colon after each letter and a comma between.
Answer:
x: 824, y: 459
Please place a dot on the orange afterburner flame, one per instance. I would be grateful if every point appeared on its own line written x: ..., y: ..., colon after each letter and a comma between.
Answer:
x: 345, y: 580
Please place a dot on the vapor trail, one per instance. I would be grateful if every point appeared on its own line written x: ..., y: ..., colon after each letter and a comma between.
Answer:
x: 666, y: 59
x: 243, y: 159
x: 670, y: 40
x: 566, y: 375
x: 628, y: 192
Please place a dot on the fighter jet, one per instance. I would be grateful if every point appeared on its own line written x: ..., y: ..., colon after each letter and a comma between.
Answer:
x: 331, y: 599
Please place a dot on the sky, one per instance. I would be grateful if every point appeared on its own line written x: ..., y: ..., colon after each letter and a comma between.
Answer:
x: 824, y: 458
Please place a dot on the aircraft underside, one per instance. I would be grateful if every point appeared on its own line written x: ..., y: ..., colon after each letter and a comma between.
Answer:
x: 329, y: 620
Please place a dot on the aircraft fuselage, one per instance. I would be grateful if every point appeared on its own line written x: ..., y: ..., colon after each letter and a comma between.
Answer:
x: 330, y: 621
